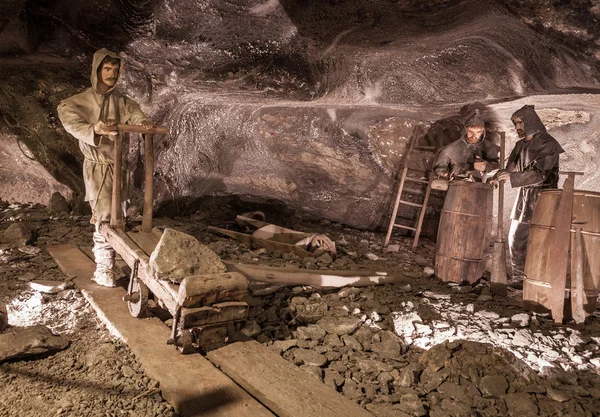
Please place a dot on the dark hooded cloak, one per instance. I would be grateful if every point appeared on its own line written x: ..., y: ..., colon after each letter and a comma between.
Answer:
x: 459, y: 156
x: 533, y: 164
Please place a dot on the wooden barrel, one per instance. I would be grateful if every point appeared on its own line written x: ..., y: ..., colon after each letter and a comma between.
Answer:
x: 536, y: 286
x: 464, y: 232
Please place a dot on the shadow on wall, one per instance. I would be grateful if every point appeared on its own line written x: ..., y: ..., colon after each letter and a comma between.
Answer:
x: 222, y: 210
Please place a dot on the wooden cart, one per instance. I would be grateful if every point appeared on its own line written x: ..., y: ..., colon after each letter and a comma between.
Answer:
x: 206, y: 310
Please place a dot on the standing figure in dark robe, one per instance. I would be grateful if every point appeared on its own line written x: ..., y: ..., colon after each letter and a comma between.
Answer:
x: 532, y: 167
x: 470, y: 158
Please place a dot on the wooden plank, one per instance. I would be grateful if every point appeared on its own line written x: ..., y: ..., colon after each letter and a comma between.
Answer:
x: 189, y: 383
x: 284, y: 388
x: 71, y: 261
x: 203, y: 290
x: 280, y: 234
x: 278, y: 248
x: 146, y: 241
x: 244, y: 221
x: 317, y: 278
x: 558, y: 252
x: 215, y: 314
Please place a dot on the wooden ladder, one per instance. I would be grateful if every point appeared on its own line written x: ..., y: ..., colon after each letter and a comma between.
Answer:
x: 403, y: 179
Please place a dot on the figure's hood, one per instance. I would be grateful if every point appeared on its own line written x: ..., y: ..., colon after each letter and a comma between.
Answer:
x: 474, y: 119
x: 533, y: 123
x: 98, y: 57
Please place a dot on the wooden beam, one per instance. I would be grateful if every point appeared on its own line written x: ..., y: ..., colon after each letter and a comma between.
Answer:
x: 281, y: 386
x: 203, y: 290
x: 277, y: 248
x: 160, y: 130
x: 148, y: 183
x: 314, y: 278
x: 229, y: 311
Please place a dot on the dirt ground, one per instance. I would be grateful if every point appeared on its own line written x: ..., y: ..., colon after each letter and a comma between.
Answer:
x: 419, y: 347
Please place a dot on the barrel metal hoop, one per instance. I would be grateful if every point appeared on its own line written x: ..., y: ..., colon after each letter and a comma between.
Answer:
x: 588, y: 292
x: 537, y: 282
x: 583, y: 232
x: 466, y: 214
x: 459, y: 258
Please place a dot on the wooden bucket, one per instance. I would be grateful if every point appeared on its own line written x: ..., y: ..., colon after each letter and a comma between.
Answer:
x: 586, y: 208
x: 464, y: 232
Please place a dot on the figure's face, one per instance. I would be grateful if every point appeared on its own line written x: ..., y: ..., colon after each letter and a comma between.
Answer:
x: 109, y: 73
x: 474, y: 133
x: 519, y: 126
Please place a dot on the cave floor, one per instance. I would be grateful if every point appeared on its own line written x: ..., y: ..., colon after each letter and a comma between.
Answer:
x: 422, y: 347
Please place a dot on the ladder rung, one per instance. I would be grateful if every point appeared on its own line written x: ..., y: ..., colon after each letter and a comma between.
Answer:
x: 417, y: 180
x: 408, y: 203
x: 425, y: 148
x: 405, y: 227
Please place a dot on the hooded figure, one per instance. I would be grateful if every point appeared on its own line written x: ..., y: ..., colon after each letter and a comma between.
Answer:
x: 471, y: 157
x: 532, y: 167
x: 91, y: 117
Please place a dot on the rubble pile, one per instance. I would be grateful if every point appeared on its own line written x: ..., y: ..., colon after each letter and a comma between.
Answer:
x: 416, y: 348
x: 431, y: 357
x: 94, y: 374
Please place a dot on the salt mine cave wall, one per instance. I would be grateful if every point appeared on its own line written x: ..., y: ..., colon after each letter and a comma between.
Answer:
x: 309, y: 104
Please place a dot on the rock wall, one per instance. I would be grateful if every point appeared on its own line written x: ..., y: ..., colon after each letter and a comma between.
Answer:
x: 308, y: 103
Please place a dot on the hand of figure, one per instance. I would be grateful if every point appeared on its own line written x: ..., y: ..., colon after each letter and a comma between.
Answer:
x: 108, y: 128
x: 146, y: 124
x: 480, y: 165
x: 494, y: 182
x: 503, y: 175
x: 443, y: 175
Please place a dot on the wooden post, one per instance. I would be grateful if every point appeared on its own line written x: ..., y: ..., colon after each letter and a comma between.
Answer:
x: 577, y: 306
x: 148, y: 183
x: 501, y: 190
x: 498, y: 279
x: 559, y: 248
x: 116, y: 214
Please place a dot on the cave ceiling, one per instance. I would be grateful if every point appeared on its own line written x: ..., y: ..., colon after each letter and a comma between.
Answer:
x: 308, y: 103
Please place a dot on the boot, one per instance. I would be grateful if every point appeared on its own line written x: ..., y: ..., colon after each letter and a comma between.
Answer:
x: 104, y: 278
x: 105, y: 261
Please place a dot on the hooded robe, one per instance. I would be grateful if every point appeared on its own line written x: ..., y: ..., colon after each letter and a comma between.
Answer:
x: 459, y: 156
x: 533, y: 164
x: 78, y: 115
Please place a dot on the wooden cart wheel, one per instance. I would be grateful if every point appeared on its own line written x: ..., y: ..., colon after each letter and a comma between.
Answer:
x: 138, y: 298
x: 185, y: 342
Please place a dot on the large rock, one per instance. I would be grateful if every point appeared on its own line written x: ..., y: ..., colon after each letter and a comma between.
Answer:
x: 58, y: 204
x: 309, y: 357
x: 311, y: 312
x: 179, y: 255
x: 18, y: 234
x: 310, y: 332
x: 520, y: 404
x: 390, y: 346
x: 23, y: 178
x: 493, y: 386
x: 339, y: 325
x: 19, y: 343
